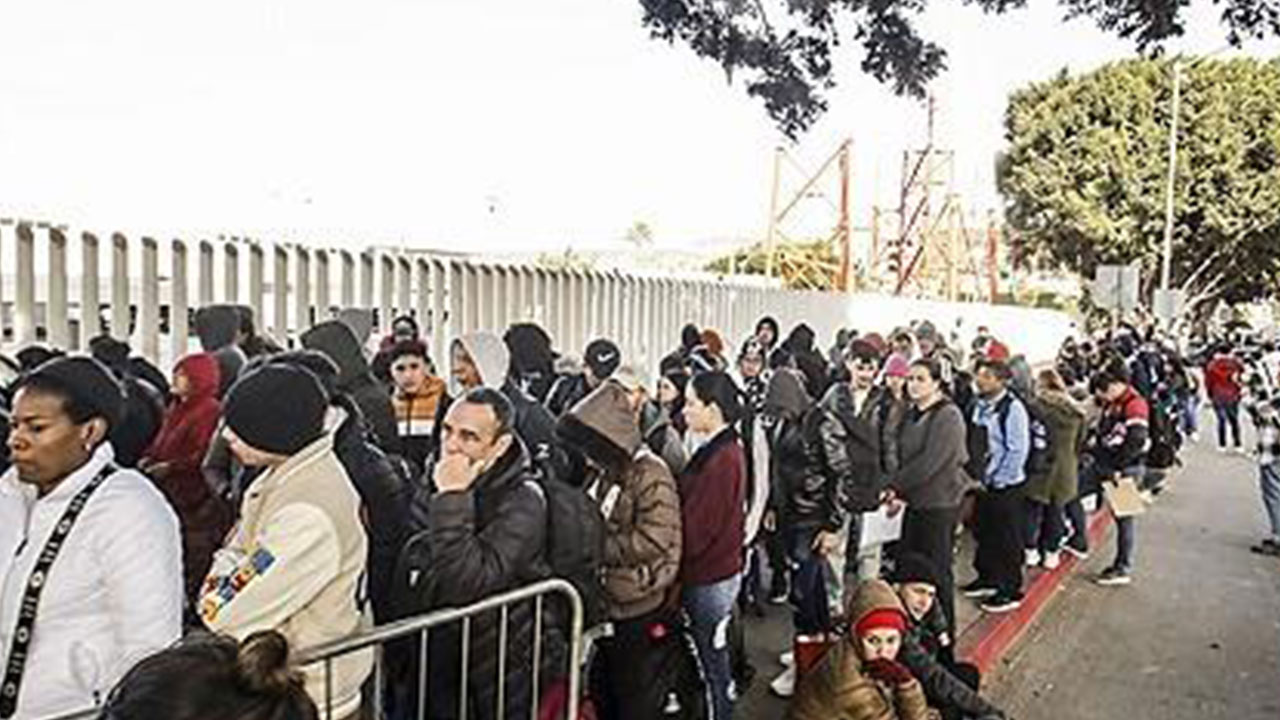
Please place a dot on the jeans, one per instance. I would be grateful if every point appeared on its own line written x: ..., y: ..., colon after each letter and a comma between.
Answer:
x: 1046, y: 527
x: 709, y: 608
x: 1190, y: 412
x: 1000, y: 527
x: 1126, y: 527
x: 1269, y: 477
x: 1228, y: 417
x: 809, y: 600
x: 932, y: 533
x: 837, y: 560
x: 1090, y: 483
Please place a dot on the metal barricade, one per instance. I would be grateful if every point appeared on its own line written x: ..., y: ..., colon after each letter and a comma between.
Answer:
x: 420, y: 628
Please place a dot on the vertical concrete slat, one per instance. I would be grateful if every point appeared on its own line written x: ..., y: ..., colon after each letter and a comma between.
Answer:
x: 24, y: 321
x: 149, y: 302
x: 179, y: 330
x: 121, y: 316
x: 90, y: 302
x: 302, y: 290
x: 280, y: 295
x: 57, y: 325
x: 257, y: 283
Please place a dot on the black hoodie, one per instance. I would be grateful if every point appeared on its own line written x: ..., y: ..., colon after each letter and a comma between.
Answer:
x: 355, y: 379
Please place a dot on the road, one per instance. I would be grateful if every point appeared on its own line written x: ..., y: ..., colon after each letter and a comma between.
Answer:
x: 1197, y: 635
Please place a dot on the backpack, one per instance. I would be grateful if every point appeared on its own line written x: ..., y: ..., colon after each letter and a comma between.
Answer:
x: 1162, y: 453
x: 1040, y: 457
x: 576, y: 533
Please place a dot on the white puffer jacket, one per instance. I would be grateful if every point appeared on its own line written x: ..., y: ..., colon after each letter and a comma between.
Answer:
x: 113, y: 596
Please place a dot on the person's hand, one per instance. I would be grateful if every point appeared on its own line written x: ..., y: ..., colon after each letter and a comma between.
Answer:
x: 770, y: 521
x: 888, y: 671
x: 825, y: 543
x: 894, y: 506
x: 454, y: 473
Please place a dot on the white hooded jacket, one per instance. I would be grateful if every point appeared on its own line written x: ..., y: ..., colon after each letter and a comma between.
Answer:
x: 113, y: 596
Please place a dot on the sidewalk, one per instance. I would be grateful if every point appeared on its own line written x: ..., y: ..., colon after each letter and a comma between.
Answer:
x: 1197, y: 635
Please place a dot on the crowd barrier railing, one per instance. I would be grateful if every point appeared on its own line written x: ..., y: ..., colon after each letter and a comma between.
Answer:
x: 419, y: 629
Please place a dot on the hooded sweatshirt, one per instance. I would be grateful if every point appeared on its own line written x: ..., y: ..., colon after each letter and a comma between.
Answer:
x: 217, y: 326
x: 174, y: 466
x: 838, y: 686
x: 637, y: 496
x: 533, y: 423
x: 336, y: 340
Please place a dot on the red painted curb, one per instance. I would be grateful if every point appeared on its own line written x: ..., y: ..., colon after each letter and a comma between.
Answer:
x: 986, y: 641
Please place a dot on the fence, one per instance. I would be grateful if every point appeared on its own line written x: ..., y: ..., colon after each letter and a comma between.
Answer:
x: 142, y: 290
x: 419, y: 628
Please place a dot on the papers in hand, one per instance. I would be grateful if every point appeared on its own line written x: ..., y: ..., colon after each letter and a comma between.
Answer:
x: 879, y: 527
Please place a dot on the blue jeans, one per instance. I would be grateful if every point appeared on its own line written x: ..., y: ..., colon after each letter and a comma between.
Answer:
x: 1190, y: 410
x: 709, y: 608
x: 1269, y: 477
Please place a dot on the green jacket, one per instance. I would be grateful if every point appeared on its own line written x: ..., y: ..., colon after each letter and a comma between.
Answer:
x: 1066, y: 424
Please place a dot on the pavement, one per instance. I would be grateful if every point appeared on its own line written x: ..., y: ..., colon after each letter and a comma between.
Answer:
x: 1197, y: 634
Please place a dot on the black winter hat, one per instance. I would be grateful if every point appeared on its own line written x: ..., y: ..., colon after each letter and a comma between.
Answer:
x: 603, y: 357
x: 277, y: 408
x: 913, y: 567
x: 87, y: 382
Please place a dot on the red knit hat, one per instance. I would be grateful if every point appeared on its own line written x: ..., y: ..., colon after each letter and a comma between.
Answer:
x: 997, y: 350
x: 897, y: 366
x: 882, y: 618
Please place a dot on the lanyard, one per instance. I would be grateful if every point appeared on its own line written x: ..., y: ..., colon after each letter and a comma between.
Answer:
x: 23, y: 632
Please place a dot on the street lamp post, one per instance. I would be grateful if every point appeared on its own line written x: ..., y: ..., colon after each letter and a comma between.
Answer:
x: 1166, y: 260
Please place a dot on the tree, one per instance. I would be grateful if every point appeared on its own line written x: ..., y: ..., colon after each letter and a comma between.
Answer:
x: 800, y: 265
x: 1085, y: 171
x: 784, y: 47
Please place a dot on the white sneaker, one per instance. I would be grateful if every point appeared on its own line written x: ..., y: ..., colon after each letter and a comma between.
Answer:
x: 787, y: 659
x: 1194, y: 437
x: 784, y: 686
x: 1052, y: 560
x: 1033, y: 558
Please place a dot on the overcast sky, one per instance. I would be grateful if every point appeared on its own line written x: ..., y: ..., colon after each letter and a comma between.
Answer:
x: 462, y: 124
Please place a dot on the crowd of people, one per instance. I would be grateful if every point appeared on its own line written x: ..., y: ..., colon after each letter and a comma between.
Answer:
x: 264, y: 498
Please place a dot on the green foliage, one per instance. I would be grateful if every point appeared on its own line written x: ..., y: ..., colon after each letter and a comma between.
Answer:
x: 800, y: 265
x: 1084, y: 175
x: 784, y: 47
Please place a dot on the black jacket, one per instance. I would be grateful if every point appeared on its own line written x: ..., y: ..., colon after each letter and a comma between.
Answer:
x: 486, y: 540
x: 567, y: 391
x: 851, y: 446
x: 143, y: 416
x: 356, y: 379
x: 384, y: 497
x: 801, y: 492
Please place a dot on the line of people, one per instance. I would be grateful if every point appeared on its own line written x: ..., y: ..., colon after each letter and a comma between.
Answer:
x: 318, y: 491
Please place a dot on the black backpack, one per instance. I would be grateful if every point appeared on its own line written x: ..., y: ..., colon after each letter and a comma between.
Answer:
x: 1165, y: 439
x: 576, y: 534
x: 1040, y: 458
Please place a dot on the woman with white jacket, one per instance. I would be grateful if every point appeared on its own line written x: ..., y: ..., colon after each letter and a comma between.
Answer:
x: 90, y: 554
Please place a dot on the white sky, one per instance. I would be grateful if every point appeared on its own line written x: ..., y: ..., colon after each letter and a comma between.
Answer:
x: 459, y: 124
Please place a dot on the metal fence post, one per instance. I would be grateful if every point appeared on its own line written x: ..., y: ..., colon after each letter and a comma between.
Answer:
x: 24, y: 322
x: 149, y: 302
x: 231, y: 273
x: 257, y: 283
x: 121, y: 315
x: 280, y: 296
x: 302, y: 289
x: 90, y: 305
x: 56, y: 324
x: 178, y: 328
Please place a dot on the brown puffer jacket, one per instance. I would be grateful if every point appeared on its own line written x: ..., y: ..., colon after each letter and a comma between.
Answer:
x: 837, y: 689
x: 638, y: 497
